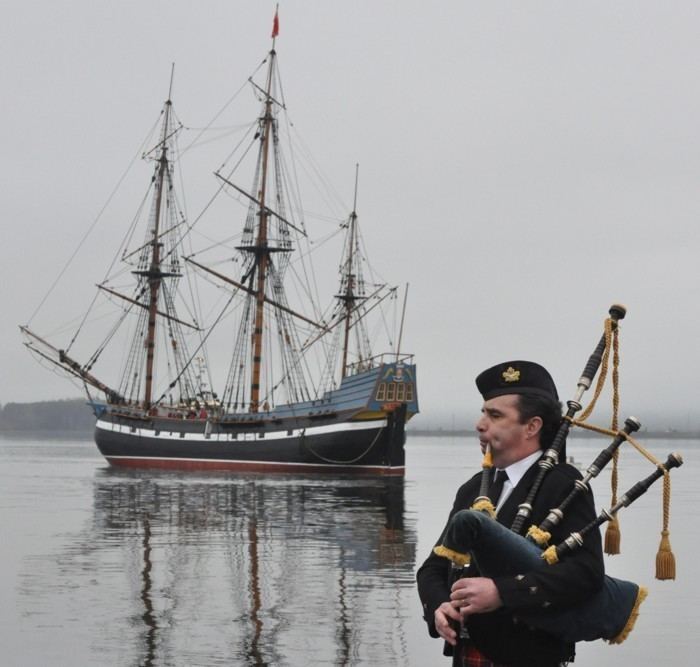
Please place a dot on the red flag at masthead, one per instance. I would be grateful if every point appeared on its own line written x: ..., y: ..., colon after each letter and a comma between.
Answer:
x: 276, y: 25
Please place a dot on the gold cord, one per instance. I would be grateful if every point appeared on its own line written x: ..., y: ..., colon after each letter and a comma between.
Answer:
x: 665, y: 560
x: 613, y: 535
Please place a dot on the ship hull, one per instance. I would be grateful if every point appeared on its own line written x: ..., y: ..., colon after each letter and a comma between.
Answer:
x: 358, y: 428
x: 372, y: 447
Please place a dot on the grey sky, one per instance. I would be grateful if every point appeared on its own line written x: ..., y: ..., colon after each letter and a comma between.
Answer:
x: 523, y: 165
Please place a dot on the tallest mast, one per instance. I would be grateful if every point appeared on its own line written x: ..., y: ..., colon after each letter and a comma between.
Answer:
x: 154, y: 273
x: 262, y: 250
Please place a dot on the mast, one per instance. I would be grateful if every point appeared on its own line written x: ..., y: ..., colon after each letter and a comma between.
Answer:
x: 266, y: 361
x: 261, y: 248
x: 403, y: 315
x: 348, y: 297
x: 154, y: 273
x: 152, y: 302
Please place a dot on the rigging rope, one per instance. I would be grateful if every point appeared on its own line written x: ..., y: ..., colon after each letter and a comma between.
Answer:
x: 92, y: 226
x: 337, y: 461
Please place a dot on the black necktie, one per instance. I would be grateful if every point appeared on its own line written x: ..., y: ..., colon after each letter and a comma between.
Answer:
x: 499, y: 478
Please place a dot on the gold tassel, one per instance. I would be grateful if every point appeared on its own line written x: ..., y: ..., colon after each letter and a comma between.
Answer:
x: 612, y: 537
x: 539, y: 536
x: 634, y: 615
x: 455, y: 556
x: 484, y: 505
x: 550, y: 555
x: 665, y: 560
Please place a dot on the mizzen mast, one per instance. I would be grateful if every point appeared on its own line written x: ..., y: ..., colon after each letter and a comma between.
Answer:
x: 352, y: 293
x: 348, y: 297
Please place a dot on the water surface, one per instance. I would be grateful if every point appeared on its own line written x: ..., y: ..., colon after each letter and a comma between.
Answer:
x: 105, y: 567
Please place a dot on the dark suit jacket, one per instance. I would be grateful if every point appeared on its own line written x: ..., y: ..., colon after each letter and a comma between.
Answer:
x: 500, y: 635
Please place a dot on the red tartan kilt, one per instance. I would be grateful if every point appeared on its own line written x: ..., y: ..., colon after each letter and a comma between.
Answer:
x: 471, y: 657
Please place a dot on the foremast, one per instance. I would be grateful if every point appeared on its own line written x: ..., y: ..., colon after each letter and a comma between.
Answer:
x: 157, y: 359
x: 154, y: 274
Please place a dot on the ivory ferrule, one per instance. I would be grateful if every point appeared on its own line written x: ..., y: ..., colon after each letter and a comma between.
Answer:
x: 575, y: 404
x: 550, y: 459
x: 554, y: 516
x: 609, y: 514
x: 574, y: 540
x: 582, y: 484
x: 524, y: 509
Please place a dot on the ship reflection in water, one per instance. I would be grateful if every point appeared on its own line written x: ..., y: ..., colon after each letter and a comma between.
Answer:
x: 256, y: 570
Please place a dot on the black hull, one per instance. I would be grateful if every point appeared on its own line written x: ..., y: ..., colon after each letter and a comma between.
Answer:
x: 367, y: 447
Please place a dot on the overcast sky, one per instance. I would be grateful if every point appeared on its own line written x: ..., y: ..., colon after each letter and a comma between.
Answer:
x: 523, y: 165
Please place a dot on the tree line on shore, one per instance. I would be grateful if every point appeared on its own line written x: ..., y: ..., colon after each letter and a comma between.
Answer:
x: 72, y: 414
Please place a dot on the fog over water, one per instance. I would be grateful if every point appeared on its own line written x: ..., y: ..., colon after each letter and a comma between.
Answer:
x: 522, y: 166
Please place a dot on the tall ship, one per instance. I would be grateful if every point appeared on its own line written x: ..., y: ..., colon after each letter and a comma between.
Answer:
x: 186, y: 299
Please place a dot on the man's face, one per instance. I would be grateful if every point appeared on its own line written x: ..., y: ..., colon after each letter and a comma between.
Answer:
x: 499, y: 427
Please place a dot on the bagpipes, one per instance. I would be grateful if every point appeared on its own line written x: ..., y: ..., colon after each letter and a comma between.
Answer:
x: 473, y: 534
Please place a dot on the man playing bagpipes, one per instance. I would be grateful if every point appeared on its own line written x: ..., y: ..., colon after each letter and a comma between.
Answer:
x: 524, y: 601
x: 520, y: 416
x: 504, y: 594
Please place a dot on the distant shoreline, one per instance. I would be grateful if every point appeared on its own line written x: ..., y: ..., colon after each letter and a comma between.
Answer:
x: 73, y: 416
x: 67, y: 417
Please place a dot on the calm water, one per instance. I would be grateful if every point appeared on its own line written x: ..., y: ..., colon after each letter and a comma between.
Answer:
x: 102, y: 567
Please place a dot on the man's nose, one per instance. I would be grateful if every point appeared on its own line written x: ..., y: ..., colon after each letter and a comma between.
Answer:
x: 481, y: 424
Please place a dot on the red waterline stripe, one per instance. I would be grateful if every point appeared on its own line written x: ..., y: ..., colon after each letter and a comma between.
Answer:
x: 247, y: 466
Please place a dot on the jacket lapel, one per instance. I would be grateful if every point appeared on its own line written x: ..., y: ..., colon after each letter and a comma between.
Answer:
x: 507, y: 513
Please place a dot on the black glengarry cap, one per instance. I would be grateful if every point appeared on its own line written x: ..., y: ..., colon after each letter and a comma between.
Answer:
x: 516, y: 377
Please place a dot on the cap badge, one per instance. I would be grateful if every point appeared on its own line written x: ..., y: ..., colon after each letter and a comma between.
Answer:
x: 511, y: 375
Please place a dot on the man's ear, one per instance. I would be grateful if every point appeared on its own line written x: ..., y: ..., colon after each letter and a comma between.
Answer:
x: 533, y: 426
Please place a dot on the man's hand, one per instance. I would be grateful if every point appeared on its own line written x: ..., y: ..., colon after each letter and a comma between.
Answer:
x: 471, y: 595
x: 447, y: 617
x: 475, y: 595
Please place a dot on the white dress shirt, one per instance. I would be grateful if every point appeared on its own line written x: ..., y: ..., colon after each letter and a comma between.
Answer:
x: 515, y: 472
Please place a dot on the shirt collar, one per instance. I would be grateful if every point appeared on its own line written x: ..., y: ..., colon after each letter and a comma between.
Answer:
x: 515, y: 471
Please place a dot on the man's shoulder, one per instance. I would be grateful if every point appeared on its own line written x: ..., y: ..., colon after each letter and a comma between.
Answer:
x: 565, y: 472
x: 469, y: 488
x: 561, y: 477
